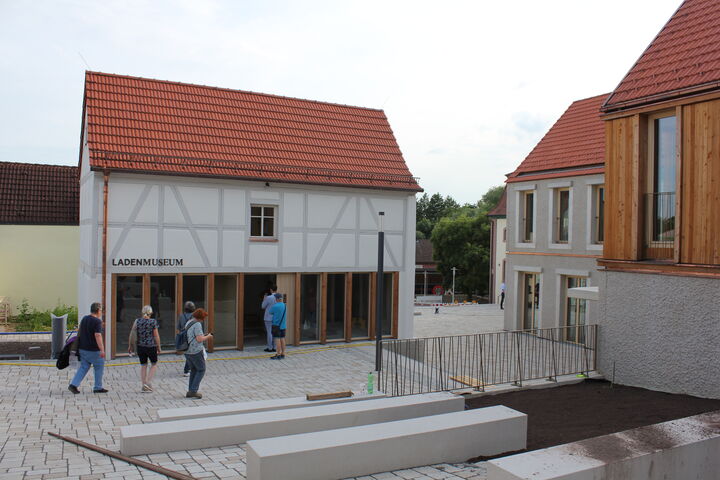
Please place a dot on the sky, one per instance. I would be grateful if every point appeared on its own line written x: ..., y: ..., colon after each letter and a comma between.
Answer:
x: 469, y: 87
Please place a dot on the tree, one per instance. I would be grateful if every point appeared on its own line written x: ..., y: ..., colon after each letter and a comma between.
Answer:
x: 461, y: 239
x: 431, y: 209
x: 463, y: 242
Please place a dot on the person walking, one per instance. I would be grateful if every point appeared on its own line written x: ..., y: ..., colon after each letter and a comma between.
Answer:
x: 148, y: 346
x: 195, y: 354
x: 267, y: 304
x: 278, y: 326
x: 91, y: 350
x: 182, y: 319
x: 502, y: 295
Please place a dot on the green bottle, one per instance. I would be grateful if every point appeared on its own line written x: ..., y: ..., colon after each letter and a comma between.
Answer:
x: 371, y: 382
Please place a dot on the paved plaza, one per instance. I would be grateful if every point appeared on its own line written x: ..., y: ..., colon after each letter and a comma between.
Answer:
x: 34, y: 400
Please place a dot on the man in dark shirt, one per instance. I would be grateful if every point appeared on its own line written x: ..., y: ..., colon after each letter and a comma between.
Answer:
x: 91, y: 350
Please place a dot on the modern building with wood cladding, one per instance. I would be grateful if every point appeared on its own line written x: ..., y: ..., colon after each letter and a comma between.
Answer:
x: 191, y: 192
x: 661, y: 298
x: 555, y: 211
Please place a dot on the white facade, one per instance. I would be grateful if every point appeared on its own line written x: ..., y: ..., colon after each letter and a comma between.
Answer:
x: 205, y: 224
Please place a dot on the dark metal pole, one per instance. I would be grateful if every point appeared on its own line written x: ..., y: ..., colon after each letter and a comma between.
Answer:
x: 379, y: 296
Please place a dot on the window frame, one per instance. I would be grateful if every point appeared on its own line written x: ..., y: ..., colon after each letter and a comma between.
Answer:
x: 526, y: 235
x: 651, y: 170
x: 598, y: 214
x: 557, y: 224
x: 262, y: 218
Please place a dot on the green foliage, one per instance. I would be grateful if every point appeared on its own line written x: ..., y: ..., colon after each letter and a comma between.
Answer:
x: 431, y: 209
x: 463, y: 242
x: 29, y: 319
x: 491, y: 197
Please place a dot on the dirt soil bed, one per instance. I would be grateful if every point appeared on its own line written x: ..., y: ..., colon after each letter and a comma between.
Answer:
x: 592, y: 408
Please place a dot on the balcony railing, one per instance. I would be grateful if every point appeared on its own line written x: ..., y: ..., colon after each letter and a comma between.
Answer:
x: 660, y: 214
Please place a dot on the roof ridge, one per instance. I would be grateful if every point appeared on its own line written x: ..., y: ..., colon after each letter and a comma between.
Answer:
x: 5, y: 162
x: 199, y: 85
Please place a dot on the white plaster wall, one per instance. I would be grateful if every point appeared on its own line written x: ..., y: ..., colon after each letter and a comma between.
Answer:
x: 660, y: 332
x: 205, y: 222
x: 500, y: 254
x: 543, y: 256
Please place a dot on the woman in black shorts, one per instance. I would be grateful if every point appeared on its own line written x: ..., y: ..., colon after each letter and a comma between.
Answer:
x: 148, y: 346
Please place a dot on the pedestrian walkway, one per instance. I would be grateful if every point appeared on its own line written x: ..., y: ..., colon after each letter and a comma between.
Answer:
x: 34, y: 400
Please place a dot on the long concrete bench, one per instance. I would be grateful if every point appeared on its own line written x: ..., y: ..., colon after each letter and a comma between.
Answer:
x: 680, y: 449
x: 237, y: 408
x: 234, y: 429
x: 364, y: 450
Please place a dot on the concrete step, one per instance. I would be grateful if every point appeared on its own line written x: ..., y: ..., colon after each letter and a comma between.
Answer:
x: 185, y: 413
x: 235, y: 429
x: 364, y: 450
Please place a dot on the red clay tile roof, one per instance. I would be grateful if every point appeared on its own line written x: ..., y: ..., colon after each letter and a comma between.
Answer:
x: 683, y: 58
x: 500, y: 209
x: 143, y: 125
x: 576, y: 144
x: 33, y: 194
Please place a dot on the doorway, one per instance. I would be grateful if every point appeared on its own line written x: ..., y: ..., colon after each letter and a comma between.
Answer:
x: 531, y: 301
x: 256, y: 287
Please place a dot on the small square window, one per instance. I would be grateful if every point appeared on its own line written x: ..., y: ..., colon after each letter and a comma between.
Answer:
x: 262, y: 221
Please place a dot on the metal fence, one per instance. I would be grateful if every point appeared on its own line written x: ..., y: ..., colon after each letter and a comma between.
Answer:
x: 434, y: 364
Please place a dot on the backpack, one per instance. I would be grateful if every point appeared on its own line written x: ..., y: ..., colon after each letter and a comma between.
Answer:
x: 182, y: 343
x: 63, y: 360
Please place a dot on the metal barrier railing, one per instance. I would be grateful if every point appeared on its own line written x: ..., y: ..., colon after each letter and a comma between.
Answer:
x: 434, y: 364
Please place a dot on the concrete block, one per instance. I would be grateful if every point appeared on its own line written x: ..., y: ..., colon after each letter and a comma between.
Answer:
x: 364, y: 450
x: 234, y: 429
x: 680, y: 449
x: 236, y: 408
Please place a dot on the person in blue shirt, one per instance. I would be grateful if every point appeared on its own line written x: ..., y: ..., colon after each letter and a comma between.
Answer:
x: 279, y: 324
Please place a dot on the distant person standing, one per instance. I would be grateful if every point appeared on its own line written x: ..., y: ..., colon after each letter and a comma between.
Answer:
x: 267, y: 304
x: 278, y: 326
x: 195, y: 354
x: 502, y: 295
x: 91, y: 350
x: 182, y: 319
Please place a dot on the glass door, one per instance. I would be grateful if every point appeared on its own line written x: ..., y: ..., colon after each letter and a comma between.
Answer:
x: 225, y: 305
x: 128, y: 307
x: 309, y: 302
x: 335, y: 306
x: 360, y: 305
x: 531, y: 301
x: 162, y: 301
x: 575, y: 311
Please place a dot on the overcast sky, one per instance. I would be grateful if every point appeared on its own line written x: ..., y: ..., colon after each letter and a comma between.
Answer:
x: 469, y: 87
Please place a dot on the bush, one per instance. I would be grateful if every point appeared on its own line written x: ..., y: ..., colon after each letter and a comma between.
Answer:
x: 29, y: 319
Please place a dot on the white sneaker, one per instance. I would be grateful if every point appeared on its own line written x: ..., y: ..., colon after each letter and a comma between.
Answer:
x: 146, y: 388
x: 186, y: 374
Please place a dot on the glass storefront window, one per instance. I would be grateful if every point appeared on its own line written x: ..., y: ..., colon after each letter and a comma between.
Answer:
x: 162, y: 301
x: 225, y: 330
x: 335, y: 306
x: 360, y: 305
x: 128, y: 305
x: 309, y: 311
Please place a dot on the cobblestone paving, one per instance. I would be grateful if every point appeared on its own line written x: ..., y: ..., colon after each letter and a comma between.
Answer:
x: 34, y: 400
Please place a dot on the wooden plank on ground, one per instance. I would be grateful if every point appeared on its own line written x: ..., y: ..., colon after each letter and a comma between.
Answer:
x: 326, y: 396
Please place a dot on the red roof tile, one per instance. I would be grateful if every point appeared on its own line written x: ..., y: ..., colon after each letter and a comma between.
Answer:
x: 34, y: 194
x: 683, y: 58
x: 138, y: 124
x: 500, y: 209
x: 576, y: 141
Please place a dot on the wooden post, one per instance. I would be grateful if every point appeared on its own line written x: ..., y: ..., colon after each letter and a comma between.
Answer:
x: 240, y: 334
x: 323, y: 305
x: 348, y: 306
x: 211, y: 310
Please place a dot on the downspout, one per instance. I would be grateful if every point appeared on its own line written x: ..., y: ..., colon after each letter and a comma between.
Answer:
x: 106, y: 175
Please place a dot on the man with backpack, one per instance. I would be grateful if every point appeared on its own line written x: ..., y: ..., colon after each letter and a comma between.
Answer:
x: 91, y: 350
x: 180, y: 336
